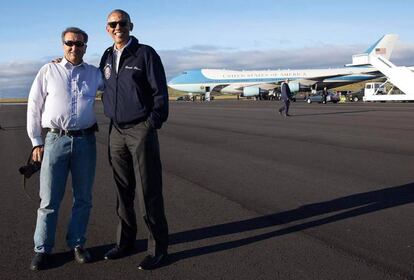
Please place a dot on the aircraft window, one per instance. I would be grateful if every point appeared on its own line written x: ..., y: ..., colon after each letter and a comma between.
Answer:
x: 184, y: 72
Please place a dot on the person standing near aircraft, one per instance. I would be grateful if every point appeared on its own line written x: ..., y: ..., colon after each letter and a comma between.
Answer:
x: 62, y: 100
x: 324, y: 95
x: 285, y: 97
x: 136, y: 101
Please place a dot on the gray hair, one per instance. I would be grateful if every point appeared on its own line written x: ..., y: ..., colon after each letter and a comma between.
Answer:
x: 122, y: 12
x: 76, y: 31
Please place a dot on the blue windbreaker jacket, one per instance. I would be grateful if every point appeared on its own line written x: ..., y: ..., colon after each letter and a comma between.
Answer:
x: 138, y: 92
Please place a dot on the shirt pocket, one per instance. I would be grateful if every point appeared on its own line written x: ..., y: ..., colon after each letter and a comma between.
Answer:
x: 86, y: 91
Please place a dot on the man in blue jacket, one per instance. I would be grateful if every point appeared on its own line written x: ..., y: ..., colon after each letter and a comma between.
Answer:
x: 136, y: 101
x: 285, y: 96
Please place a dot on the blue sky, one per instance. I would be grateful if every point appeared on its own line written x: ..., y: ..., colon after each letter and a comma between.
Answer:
x: 248, y: 34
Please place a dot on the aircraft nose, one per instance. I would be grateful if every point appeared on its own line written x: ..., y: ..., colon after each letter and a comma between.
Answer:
x: 171, y: 83
x: 175, y: 81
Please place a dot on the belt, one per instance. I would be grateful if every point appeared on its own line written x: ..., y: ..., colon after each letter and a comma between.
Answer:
x: 74, y: 133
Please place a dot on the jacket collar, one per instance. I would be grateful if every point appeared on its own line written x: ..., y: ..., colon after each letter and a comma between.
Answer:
x: 132, y: 46
x: 120, y: 50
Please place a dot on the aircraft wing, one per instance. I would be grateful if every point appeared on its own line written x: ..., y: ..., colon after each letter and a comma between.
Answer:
x: 218, y: 88
x: 310, y: 82
x: 319, y: 79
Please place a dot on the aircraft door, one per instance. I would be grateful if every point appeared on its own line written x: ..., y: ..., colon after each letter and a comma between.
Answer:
x: 207, y: 96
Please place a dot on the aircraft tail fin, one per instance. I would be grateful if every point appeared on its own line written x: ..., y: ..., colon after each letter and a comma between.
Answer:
x: 383, y: 47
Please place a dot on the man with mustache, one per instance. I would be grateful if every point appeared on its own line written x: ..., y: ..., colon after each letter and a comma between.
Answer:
x: 61, y: 100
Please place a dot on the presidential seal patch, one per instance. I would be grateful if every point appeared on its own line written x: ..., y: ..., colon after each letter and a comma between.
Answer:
x: 107, y: 71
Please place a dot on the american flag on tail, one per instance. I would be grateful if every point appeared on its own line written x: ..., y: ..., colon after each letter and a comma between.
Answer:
x: 380, y: 50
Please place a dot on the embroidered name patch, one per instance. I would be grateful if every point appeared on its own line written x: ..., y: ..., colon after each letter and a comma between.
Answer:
x: 132, y: 68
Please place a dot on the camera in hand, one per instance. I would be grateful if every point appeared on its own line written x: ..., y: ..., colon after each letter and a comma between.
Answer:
x: 28, y: 170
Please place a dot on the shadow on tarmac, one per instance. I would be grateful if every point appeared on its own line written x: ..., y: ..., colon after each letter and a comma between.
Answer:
x: 348, y: 207
x: 97, y: 254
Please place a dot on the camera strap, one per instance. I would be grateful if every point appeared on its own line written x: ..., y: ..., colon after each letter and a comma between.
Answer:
x: 25, y: 191
x: 29, y: 161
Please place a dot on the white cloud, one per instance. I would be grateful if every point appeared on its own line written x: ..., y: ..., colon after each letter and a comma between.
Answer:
x: 16, y: 77
x: 403, y: 54
x: 176, y: 61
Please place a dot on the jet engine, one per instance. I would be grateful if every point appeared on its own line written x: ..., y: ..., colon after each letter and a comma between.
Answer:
x: 296, y: 87
x: 253, y: 91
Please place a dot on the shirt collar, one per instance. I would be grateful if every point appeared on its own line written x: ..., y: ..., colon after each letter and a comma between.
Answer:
x: 129, y: 42
x: 65, y: 63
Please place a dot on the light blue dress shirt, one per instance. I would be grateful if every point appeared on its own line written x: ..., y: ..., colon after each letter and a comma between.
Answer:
x: 62, y: 96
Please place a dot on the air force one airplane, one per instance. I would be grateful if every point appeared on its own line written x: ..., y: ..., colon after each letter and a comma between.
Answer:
x: 255, y: 83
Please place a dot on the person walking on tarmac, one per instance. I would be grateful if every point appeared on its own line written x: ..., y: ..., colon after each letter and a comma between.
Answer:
x: 324, y: 95
x: 285, y: 97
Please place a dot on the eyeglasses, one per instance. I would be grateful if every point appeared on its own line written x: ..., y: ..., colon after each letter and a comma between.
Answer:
x: 121, y: 23
x: 74, y: 43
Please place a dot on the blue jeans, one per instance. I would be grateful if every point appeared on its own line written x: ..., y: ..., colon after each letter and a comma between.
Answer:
x: 61, y: 155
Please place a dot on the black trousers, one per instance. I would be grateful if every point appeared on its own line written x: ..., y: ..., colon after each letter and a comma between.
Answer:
x: 135, y: 158
x: 285, y: 106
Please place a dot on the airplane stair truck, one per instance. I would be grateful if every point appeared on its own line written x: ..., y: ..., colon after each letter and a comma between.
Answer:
x: 400, y: 76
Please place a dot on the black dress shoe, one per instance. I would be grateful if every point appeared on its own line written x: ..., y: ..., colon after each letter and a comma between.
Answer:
x: 81, y: 255
x: 151, y: 262
x: 118, y: 252
x: 40, y: 261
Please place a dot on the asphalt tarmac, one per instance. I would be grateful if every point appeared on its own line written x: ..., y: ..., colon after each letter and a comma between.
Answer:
x: 324, y: 194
